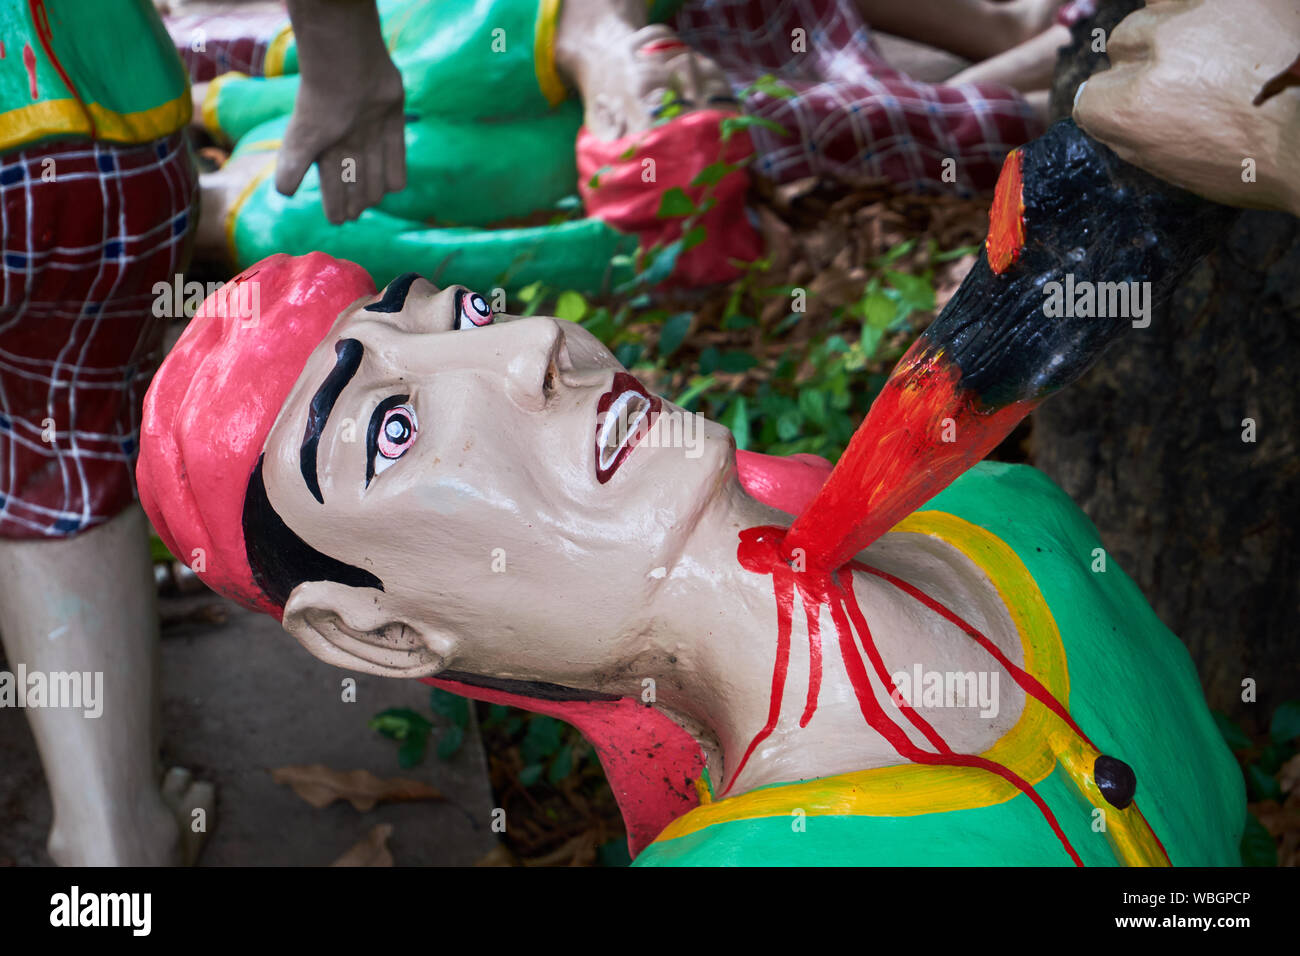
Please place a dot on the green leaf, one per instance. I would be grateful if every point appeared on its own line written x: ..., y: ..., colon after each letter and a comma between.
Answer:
x: 1257, y: 845
x: 917, y: 292
x: 694, y: 236
x: 398, y: 723
x: 712, y: 174
x: 894, y: 254
x: 868, y: 344
x: 158, y: 552
x: 737, y: 419
x: 449, y: 706
x: 734, y: 124
x: 674, y: 333
x: 1236, y: 738
x: 878, y: 309
x: 629, y: 353
x: 600, y: 324
x: 1261, y: 785
x: 663, y: 264
x: 675, y: 203
x: 614, y: 853
x: 789, y: 425
x: 699, y: 385
x: 411, y: 752
x: 530, y: 292
x: 1286, y: 722
x: 709, y: 359
x: 571, y: 305
x: 542, y: 740
x: 530, y: 774
x: 594, y: 181
x: 734, y: 360
x: 955, y: 253
x: 562, y: 765
x: 450, y: 742
x: 813, y: 404
x: 735, y: 322
x: 769, y: 85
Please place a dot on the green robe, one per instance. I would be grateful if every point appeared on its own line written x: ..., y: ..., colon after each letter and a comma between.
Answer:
x: 104, y: 69
x: 1132, y: 688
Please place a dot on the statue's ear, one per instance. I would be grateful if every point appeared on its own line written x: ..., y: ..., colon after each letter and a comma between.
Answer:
x: 353, y: 628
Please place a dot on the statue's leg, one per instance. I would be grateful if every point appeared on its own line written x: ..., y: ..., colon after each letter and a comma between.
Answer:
x: 975, y: 29
x: 1026, y: 67
x: 86, y: 604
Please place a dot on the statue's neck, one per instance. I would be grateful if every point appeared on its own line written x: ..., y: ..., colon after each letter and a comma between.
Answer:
x: 785, y: 674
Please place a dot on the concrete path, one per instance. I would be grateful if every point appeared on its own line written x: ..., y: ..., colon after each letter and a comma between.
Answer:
x: 241, y: 698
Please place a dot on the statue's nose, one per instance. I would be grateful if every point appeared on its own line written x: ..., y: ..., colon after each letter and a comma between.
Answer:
x: 536, y: 360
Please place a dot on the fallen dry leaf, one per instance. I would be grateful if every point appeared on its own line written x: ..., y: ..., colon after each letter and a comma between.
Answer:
x: 372, y: 850
x: 320, y: 786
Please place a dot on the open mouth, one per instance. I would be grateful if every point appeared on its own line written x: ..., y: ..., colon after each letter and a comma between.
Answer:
x: 624, y: 416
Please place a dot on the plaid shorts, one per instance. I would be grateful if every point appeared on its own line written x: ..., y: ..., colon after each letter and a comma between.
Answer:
x: 854, y: 116
x: 89, y: 228
x: 211, y: 44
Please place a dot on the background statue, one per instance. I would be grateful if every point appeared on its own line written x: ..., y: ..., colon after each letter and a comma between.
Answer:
x: 98, y: 196
x: 841, y: 104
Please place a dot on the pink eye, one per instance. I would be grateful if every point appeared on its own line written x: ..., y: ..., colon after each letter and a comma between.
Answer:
x: 397, y: 432
x: 472, y: 310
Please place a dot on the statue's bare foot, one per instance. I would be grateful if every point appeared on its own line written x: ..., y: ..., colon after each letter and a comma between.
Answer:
x: 194, y: 804
x: 628, y: 80
x: 159, y: 828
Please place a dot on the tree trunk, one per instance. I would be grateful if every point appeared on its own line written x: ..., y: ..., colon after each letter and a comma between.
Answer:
x: 1154, y: 445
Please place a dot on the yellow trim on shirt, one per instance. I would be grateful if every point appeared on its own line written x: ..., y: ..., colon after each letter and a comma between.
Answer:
x: 232, y: 214
x: 273, y: 62
x: 914, y: 789
x: 548, y: 77
x: 208, y: 111
x: 66, y: 117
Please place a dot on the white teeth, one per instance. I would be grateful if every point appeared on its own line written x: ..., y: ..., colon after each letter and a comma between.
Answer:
x: 622, y: 421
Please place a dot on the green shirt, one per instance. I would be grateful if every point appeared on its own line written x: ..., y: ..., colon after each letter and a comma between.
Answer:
x: 104, y: 69
x: 1128, y: 682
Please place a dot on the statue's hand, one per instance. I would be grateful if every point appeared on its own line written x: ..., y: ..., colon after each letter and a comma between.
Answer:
x: 348, y: 117
x: 1179, y: 99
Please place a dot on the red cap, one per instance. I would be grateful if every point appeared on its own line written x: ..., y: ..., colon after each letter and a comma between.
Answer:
x: 213, y: 402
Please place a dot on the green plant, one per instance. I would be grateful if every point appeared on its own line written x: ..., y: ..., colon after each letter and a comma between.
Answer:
x: 1260, y: 762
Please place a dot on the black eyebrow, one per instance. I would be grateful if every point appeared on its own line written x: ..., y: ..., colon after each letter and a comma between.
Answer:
x: 395, y: 294
x: 348, y: 354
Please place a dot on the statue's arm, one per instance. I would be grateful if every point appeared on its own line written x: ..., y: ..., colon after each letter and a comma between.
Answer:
x: 1206, y: 97
x: 348, y: 115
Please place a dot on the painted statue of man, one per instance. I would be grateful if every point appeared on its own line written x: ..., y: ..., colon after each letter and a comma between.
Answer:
x: 418, y: 487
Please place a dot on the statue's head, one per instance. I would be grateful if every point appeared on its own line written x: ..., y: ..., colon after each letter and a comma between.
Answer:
x: 410, y: 481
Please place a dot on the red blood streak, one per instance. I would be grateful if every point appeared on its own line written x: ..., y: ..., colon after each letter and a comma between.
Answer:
x: 1027, y: 681
x: 845, y: 581
x: 1006, y: 237
x: 898, y: 458
x: 812, y: 612
x: 2, y: 49
x: 29, y: 61
x: 661, y: 46
x: 41, y: 19
x: 761, y: 551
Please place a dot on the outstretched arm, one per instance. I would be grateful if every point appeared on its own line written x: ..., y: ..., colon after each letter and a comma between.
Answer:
x: 1200, y: 95
x: 348, y: 115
